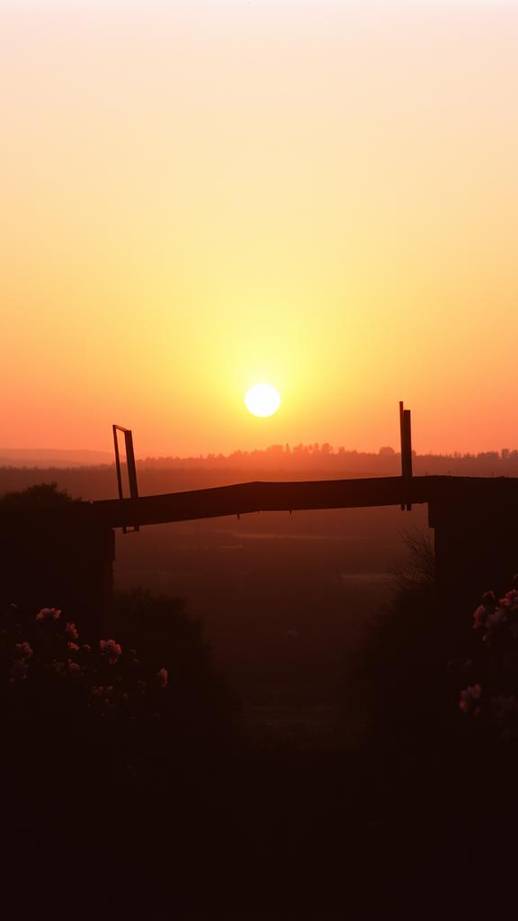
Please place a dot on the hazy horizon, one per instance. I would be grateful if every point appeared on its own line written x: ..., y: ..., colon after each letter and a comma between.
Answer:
x: 84, y: 457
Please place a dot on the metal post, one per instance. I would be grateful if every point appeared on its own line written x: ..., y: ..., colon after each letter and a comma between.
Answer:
x: 117, y: 460
x: 130, y: 464
x: 405, y: 424
x: 132, y: 467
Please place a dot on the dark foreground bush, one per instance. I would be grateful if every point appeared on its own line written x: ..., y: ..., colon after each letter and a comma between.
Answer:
x: 439, y: 692
x: 164, y: 631
x: 402, y: 683
x: 112, y: 761
x: 490, y: 669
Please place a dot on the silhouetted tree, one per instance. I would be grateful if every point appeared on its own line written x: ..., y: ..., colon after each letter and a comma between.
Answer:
x: 401, y: 683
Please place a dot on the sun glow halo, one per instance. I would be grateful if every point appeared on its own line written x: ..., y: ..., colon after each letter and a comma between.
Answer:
x: 262, y: 400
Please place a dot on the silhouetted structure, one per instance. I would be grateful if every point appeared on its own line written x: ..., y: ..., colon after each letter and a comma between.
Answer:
x: 130, y: 466
x: 51, y: 555
x: 405, y: 425
x: 61, y: 553
x: 64, y: 555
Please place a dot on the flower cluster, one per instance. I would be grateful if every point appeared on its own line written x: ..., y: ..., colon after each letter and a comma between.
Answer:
x: 111, y: 650
x: 495, y: 695
x: 72, y: 632
x: 108, y: 679
x: 494, y: 618
x: 48, y: 614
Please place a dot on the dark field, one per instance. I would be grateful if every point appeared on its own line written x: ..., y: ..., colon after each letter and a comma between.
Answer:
x: 286, y: 601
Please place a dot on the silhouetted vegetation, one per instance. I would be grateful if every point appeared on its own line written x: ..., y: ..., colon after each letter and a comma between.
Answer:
x: 181, y: 813
x: 106, y: 749
x: 38, y: 497
x: 403, y: 683
x: 490, y: 669
x: 163, y: 631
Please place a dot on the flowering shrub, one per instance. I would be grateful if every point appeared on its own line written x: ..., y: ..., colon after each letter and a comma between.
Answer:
x: 105, y: 750
x: 493, y: 697
x: 43, y: 661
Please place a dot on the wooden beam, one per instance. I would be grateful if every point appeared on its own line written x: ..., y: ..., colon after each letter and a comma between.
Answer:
x: 245, y: 498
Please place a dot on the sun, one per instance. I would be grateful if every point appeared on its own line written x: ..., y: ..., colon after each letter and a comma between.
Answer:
x: 262, y: 400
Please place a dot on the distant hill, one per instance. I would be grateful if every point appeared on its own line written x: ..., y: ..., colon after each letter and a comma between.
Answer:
x: 45, y: 458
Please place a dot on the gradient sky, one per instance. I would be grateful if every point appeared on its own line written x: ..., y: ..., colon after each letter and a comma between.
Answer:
x: 200, y: 195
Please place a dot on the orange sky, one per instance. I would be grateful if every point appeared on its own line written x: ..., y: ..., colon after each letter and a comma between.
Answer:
x: 199, y: 195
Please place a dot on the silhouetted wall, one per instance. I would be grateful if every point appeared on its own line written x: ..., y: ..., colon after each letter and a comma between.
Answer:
x: 65, y: 566
x: 476, y: 549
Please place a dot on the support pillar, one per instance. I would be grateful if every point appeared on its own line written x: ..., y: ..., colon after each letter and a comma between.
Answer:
x: 476, y: 549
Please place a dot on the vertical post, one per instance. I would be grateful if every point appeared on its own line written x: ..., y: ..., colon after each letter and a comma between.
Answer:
x: 405, y: 424
x: 407, y: 455
x: 117, y: 460
x: 130, y: 466
x: 401, y: 440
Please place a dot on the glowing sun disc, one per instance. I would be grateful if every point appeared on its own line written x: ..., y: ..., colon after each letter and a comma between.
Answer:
x: 262, y: 400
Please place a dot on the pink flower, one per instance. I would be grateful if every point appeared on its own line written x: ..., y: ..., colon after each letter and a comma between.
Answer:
x: 72, y: 632
x: 469, y: 699
x: 480, y: 616
x: 24, y: 650
x: 111, y: 650
x: 97, y: 690
x: 73, y: 647
x: 73, y: 667
x: 86, y: 648
x: 48, y: 614
x: 163, y: 677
